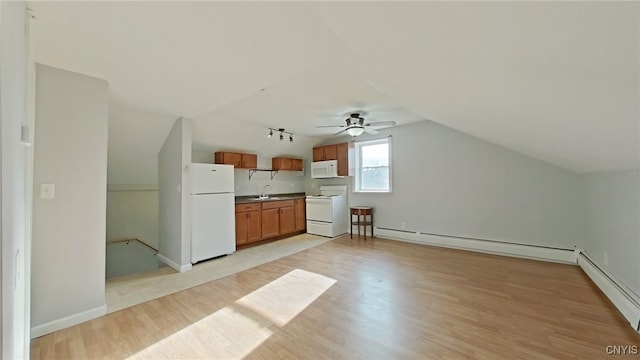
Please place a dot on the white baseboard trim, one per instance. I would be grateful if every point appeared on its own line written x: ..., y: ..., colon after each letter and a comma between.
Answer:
x: 65, y: 322
x: 624, y: 301
x: 132, y: 187
x: 484, y: 246
x: 166, y: 260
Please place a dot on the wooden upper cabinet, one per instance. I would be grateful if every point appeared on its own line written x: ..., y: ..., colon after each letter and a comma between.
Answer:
x: 249, y: 161
x: 229, y: 158
x: 318, y: 153
x: 297, y: 165
x: 287, y: 164
x: 342, y: 152
x: 327, y: 152
x: 346, y: 163
x: 238, y: 160
x: 331, y: 152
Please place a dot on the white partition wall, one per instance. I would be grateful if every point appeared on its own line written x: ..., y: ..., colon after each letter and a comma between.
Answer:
x: 69, y: 207
x: 452, y: 184
x: 174, y: 234
x: 14, y: 213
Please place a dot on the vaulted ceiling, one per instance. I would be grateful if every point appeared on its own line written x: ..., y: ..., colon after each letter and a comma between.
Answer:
x: 558, y: 81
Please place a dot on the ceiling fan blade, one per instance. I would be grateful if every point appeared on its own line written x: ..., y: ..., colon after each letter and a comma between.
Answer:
x: 370, y: 131
x: 340, y: 132
x: 381, y: 123
x: 326, y: 126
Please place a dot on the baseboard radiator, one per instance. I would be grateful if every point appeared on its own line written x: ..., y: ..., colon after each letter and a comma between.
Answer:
x: 623, y: 299
x: 481, y: 245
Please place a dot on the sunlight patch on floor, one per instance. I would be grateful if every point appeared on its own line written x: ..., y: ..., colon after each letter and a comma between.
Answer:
x: 225, y: 334
x: 233, y: 332
x: 135, y: 289
x: 284, y: 298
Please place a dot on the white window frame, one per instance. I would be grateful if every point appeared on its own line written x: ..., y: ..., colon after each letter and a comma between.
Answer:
x: 358, y: 165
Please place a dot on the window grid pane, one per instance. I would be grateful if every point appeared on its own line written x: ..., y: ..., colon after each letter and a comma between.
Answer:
x: 375, y: 178
x: 375, y: 155
x: 373, y: 172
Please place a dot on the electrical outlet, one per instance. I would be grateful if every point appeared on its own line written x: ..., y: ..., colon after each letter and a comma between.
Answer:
x: 47, y: 191
x: 605, y: 258
x: 403, y: 225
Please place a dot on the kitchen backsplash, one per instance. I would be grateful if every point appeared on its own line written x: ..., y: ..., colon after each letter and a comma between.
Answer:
x: 283, y: 182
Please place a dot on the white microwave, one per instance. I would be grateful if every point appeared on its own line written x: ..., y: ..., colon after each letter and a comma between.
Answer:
x: 324, y: 169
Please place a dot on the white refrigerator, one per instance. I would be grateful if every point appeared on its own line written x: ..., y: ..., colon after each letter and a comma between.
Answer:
x: 212, y: 211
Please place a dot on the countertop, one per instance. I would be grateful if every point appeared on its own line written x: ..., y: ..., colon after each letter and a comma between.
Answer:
x: 248, y: 199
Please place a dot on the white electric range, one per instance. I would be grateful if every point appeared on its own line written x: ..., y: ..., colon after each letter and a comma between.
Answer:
x: 327, y: 212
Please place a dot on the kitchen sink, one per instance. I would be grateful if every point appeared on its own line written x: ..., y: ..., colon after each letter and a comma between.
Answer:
x: 266, y: 199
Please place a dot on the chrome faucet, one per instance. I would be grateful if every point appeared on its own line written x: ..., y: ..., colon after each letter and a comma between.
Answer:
x: 265, y: 192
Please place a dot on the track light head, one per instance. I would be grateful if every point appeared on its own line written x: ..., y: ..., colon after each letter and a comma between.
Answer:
x: 282, y: 131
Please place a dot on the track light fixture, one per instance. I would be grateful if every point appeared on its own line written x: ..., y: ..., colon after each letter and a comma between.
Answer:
x: 282, y: 132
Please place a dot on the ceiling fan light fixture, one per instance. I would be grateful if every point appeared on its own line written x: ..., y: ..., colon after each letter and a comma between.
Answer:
x: 355, y: 131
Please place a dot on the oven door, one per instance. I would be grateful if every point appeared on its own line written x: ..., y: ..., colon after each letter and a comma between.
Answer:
x: 319, y: 209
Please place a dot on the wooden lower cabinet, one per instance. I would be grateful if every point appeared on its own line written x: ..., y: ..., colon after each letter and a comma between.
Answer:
x: 277, y: 218
x: 270, y: 223
x: 269, y: 219
x: 300, y: 210
x: 287, y: 220
x: 248, y: 223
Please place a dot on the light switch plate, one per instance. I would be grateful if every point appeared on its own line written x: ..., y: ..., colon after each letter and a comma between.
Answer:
x: 47, y: 191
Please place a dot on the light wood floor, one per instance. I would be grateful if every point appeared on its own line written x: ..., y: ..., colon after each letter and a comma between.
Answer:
x: 390, y: 300
x: 126, y: 291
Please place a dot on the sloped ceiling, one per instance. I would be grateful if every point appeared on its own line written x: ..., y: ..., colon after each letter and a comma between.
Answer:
x: 558, y: 81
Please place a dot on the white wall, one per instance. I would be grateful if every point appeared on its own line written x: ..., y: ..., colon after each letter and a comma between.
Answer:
x: 175, y: 231
x: 613, y: 214
x: 211, y: 134
x: 132, y: 213
x: 283, y: 182
x: 13, y: 212
x: 68, y: 258
x: 446, y: 182
x: 135, y: 138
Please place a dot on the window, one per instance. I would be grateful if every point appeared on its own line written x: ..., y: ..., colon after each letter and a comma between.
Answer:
x: 373, y: 166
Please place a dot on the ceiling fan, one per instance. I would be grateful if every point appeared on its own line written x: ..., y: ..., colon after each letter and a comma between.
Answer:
x: 355, y: 125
